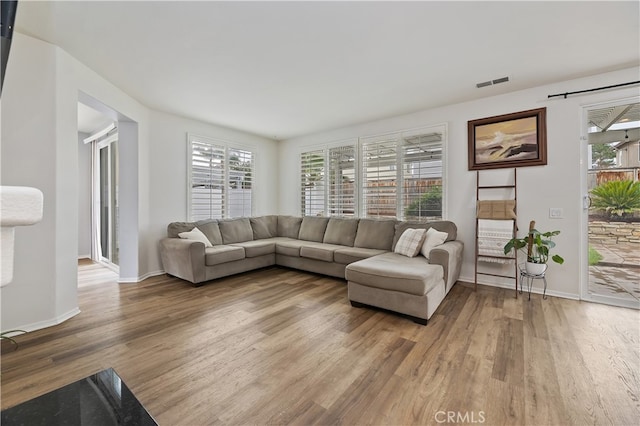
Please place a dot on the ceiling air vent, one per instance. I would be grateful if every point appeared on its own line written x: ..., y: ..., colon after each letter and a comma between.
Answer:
x: 492, y: 82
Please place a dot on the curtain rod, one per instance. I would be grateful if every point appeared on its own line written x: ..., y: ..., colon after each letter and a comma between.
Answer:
x: 593, y: 90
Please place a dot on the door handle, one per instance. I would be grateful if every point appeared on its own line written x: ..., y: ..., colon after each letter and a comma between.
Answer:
x: 586, y: 202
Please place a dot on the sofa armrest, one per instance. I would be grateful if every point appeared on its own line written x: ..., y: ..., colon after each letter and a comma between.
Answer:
x: 449, y: 256
x: 183, y: 259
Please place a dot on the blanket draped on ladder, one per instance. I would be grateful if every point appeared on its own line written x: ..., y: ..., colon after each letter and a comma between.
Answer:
x: 492, y: 237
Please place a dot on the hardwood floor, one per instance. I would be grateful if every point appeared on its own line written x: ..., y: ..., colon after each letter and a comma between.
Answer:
x: 278, y: 346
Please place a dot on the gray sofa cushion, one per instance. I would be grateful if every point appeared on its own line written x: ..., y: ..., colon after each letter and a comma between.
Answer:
x: 289, y: 247
x: 392, y: 271
x: 349, y: 255
x: 222, y: 254
x: 289, y: 226
x: 318, y: 251
x: 442, y: 225
x: 174, y: 228
x: 341, y: 231
x: 375, y: 234
x: 210, y: 228
x: 257, y: 248
x: 264, y: 227
x: 312, y: 228
x: 235, y: 230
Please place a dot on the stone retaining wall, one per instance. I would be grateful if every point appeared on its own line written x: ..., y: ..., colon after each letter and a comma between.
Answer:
x: 614, y: 232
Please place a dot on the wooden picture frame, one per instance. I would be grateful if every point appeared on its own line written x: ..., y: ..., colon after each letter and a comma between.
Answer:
x: 511, y: 140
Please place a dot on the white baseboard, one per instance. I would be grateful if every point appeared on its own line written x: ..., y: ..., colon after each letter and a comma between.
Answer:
x: 84, y: 256
x: 49, y: 323
x: 534, y: 290
x: 141, y: 278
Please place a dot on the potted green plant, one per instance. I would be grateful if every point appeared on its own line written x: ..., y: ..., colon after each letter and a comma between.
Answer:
x: 539, y: 245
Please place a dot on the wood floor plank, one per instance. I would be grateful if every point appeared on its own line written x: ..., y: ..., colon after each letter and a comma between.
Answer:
x: 279, y: 346
x: 542, y: 389
x: 509, y: 361
x: 359, y: 396
x: 504, y: 405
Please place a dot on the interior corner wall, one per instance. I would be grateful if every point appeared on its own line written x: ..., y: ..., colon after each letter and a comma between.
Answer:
x: 66, y: 190
x: 558, y: 184
x: 128, y: 202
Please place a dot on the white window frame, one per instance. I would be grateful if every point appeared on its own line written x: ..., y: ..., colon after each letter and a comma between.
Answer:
x: 392, y: 141
x: 228, y: 147
x: 325, y: 151
x: 316, y: 203
x: 425, y: 131
x: 332, y: 204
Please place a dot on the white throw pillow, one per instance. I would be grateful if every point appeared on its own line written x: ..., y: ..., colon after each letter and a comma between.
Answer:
x: 410, y: 242
x: 196, y: 235
x: 433, y: 239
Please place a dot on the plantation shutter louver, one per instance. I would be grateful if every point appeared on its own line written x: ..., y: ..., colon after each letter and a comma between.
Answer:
x: 379, y: 177
x: 240, y: 183
x: 207, y: 180
x: 342, y: 181
x: 422, y: 177
x: 312, y: 183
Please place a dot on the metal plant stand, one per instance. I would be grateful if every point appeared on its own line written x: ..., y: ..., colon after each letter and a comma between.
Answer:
x: 529, y: 277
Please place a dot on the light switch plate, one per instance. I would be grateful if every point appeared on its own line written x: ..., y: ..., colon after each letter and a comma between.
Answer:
x: 555, y: 213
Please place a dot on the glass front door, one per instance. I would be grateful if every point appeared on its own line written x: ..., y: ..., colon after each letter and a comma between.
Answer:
x: 611, y: 201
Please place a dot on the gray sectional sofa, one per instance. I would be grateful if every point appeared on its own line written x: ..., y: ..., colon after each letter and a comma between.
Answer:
x: 360, y: 250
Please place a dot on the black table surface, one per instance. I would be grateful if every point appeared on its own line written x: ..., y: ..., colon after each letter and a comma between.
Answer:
x: 97, y: 400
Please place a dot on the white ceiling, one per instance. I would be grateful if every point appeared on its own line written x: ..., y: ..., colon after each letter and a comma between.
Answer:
x: 284, y: 69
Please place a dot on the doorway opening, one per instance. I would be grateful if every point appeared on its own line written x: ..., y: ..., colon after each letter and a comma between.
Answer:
x: 612, y: 204
x: 98, y: 183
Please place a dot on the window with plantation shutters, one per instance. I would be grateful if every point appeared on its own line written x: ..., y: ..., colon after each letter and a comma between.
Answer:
x: 342, y: 181
x: 398, y: 175
x: 207, y: 181
x: 239, y: 183
x: 312, y: 183
x: 220, y: 180
x: 380, y: 177
x: 402, y: 175
x: 422, y: 176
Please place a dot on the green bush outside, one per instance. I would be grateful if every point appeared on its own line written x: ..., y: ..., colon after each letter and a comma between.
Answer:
x: 429, y: 204
x: 617, y: 198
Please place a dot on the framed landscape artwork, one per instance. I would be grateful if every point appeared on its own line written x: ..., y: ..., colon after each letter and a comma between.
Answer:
x: 511, y: 140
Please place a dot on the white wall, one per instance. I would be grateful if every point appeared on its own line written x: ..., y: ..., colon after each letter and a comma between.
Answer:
x: 168, y: 171
x: 28, y: 158
x: 84, y: 196
x: 558, y: 184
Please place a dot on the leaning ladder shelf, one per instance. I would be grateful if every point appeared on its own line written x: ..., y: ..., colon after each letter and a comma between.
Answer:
x: 478, y: 256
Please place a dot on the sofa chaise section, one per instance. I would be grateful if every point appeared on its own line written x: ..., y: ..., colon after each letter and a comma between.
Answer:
x: 413, y: 286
